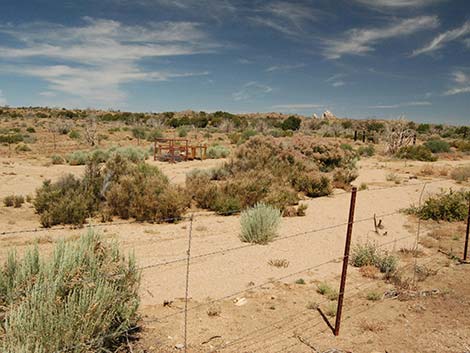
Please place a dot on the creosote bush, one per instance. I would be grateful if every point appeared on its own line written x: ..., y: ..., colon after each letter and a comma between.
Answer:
x: 417, y: 153
x: 259, y: 224
x: 447, y: 206
x: 82, y: 299
x: 438, y: 146
x: 13, y: 201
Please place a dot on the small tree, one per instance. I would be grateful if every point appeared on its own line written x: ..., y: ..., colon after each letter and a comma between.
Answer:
x: 291, y: 123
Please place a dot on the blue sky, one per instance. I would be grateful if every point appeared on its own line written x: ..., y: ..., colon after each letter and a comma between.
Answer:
x: 356, y: 58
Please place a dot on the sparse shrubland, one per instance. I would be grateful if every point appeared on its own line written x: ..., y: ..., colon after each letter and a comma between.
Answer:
x: 82, y: 299
x: 259, y: 224
x: 273, y: 171
x: 119, y: 188
x: 134, y: 154
x: 447, y: 206
x: 217, y: 151
x: 461, y: 174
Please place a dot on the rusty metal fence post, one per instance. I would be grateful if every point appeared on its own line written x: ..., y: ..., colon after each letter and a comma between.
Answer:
x: 465, y: 251
x: 347, y: 247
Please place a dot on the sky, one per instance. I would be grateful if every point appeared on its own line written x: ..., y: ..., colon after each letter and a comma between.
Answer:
x: 356, y: 58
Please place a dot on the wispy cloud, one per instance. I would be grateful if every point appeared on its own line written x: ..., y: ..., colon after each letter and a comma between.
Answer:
x: 336, y: 80
x: 251, y: 90
x: 288, y: 18
x: 444, y: 38
x: 397, y: 4
x: 95, y: 59
x: 462, y: 79
x: 297, y: 107
x: 359, y: 41
x: 402, y: 105
x: 284, y: 67
x: 3, y: 100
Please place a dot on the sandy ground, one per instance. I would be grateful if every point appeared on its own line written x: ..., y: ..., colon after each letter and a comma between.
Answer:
x: 228, y: 274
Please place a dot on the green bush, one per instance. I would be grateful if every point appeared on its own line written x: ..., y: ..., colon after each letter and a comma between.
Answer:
x: 81, y: 299
x: 312, y: 184
x: 368, y: 254
x: 77, y: 158
x: 11, y: 138
x: 182, y: 131
x: 74, y: 134
x: 31, y: 130
x: 259, y: 224
x: 217, y: 151
x: 417, y: 153
x: 367, y: 151
x: 291, y: 123
x: 448, y: 206
x: 56, y: 159
x: 437, y: 146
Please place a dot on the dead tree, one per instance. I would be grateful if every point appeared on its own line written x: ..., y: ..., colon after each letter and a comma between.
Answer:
x: 398, y: 135
x: 91, y: 131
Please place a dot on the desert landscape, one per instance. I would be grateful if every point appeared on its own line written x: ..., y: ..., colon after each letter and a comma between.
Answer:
x: 406, y: 287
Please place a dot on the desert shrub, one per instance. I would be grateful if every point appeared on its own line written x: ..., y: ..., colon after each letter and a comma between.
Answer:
x: 367, y: 151
x: 200, y: 188
x: 77, y: 158
x: 461, y: 174
x: 326, y: 290
x: 291, y: 123
x: 374, y: 296
x: 82, y: 299
x: 31, y: 130
x: 182, y: 131
x: 313, y: 184
x: 13, y: 201
x: 437, y: 146
x: 56, y: 159
x: 146, y: 195
x: 154, y: 134
x: 247, y: 134
x: 133, y: 154
x: 342, y: 177
x: 11, y: 138
x: 22, y: 148
x: 9, y: 200
x: 259, y: 224
x: 217, y: 151
x: 364, y: 255
x: 226, y: 205
x: 448, y: 206
x: 462, y: 145
x: 368, y: 254
x: 417, y: 153
x: 62, y: 202
x: 74, y: 134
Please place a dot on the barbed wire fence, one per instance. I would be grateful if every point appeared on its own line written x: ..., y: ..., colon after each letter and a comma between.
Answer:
x: 269, y: 334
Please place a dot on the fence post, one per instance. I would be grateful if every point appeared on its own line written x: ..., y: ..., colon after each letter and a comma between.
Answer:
x: 355, y: 135
x: 347, y: 246
x: 465, y: 251
x: 186, y: 294
x: 363, y: 136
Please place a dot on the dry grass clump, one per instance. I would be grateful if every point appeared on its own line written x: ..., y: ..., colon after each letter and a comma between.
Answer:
x: 82, y: 299
x: 279, y: 263
x: 371, y: 326
x: 369, y: 271
x: 461, y: 174
x: 259, y: 224
x: 326, y: 290
x: 15, y: 201
x: 119, y: 188
x: 368, y: 254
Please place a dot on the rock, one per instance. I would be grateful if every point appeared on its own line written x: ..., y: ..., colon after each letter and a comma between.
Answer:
x: 179, y: 346
x: 315, y: 116
x: 328, y: 115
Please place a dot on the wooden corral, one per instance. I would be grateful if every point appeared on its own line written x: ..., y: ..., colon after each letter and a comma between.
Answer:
x: 175, y: 149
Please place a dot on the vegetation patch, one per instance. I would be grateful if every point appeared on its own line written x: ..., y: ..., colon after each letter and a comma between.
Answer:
x: 450, y: 206
x: 259, y: 225
x: 417, y: 153
x: 82, y: 299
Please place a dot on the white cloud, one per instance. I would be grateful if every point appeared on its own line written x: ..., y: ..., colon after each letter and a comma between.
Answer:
x: 251, y: 90
x: 462, y: 79
x: 284, y: 67
x: 338, y: 83
x: 397, y: 4
x: 3, y: 100
x: 443, y: 38
x: 359, y: 41
x: 97, y: 58
x: 297, y: 107
x: 402, y: 105
x: 286, y: 17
